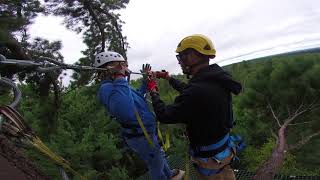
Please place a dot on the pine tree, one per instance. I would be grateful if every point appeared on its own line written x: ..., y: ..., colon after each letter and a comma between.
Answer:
x: 100, y: 24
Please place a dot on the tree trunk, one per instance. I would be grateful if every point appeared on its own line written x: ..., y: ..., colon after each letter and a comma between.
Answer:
x: 269, y: 168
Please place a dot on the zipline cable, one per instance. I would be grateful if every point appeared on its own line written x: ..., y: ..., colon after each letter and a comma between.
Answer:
x: 45, y: 64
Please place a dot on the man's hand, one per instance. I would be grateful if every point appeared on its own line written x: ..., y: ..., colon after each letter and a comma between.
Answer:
x: 162, y: 74
x: 146, y: 68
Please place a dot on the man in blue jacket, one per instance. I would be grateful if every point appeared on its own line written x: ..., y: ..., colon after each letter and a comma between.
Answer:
x: 129, y: 106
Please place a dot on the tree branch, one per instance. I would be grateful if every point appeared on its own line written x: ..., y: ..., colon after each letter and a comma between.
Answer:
x: 116, y: 25
x: 300, y: 123
x: 274, y: 116
x: 301, y: 105
x: 299, y: 112
x: 289, y: 112
x: 15, y: 47
x: 303, y: 141
x: 96, y: 20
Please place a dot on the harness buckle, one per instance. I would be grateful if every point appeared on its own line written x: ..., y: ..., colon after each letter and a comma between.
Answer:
x: 217, y: 160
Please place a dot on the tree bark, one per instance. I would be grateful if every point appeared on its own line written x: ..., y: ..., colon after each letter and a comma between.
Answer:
x: 116, y: 25
x: 16, y: 164
x: 269, y: 168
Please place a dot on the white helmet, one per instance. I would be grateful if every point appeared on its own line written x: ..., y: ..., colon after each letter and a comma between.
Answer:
x: 105, y: 57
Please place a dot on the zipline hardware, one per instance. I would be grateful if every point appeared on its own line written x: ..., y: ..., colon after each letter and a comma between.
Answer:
x: 45, y: 64
x: 16, y: 91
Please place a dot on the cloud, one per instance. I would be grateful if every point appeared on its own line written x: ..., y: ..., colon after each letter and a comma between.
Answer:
x: 154, y: 28
x: 51, y: 28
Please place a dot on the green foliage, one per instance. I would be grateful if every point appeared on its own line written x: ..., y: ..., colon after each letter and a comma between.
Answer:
x: 285, y: 83
x: 117, y: 173
x: 85, y: 136
x: 15, y: 14
x: 78, y: 137
x: 253, y: 157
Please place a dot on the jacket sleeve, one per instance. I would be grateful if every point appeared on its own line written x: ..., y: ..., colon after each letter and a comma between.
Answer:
x: 143, y: 87
x: 178, y: 112
x: 177, y: 85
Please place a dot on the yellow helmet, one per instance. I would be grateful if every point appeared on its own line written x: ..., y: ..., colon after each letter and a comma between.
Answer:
x: 198, y: 42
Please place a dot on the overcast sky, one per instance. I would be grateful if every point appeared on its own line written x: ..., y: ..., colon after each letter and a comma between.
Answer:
x: 237, y: 27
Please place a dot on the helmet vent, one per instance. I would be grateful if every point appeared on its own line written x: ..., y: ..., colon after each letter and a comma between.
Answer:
x: 98, y: 60
x: 207, y: 47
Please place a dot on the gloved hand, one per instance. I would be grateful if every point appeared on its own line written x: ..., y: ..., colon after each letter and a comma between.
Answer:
x: 152, y: 86
x: 162, y: 74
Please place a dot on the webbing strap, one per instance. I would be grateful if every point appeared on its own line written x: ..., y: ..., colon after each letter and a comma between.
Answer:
x: 38, y: 144
x: 186, y: 176
x: 18, y: 127
x: 165, y: 142
x: 215, y: 145
x: 237, y: 142
x: 142, y: 127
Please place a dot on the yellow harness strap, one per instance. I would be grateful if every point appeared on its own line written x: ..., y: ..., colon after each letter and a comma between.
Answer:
x: 37, y: 143
x: 143, y: 128
x: 165, y: 142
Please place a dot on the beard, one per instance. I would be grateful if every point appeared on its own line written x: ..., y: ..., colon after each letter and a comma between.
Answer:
x: 185, y: 70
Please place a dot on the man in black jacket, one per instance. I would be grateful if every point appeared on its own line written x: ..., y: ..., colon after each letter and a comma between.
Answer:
x: 204, y: 105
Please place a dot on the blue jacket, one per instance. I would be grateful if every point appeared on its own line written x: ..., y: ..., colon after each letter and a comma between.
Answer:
x: 121, y: 101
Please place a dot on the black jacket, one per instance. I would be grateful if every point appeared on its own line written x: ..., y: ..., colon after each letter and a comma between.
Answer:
x: 204, y: 105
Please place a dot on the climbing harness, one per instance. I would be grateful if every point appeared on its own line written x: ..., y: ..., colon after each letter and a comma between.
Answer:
x: 228, y: 146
